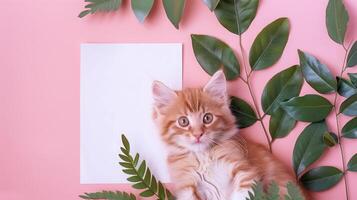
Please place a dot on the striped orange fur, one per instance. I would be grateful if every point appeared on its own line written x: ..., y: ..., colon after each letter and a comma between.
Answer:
x: 207, y: 157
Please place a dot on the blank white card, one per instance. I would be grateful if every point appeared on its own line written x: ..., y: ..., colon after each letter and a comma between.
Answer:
x: 115, y: 98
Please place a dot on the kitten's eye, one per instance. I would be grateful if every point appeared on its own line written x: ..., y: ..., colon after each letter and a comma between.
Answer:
x: 207, y: 118
x: 183, y: 121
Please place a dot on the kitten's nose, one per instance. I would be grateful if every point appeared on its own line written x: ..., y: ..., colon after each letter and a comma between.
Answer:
x: 198, y: 136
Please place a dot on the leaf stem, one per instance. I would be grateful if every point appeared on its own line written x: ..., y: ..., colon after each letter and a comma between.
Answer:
x: 338, y: 127
x: 246, y: 81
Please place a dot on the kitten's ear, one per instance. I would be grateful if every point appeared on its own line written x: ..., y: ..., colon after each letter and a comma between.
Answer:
x: 217, y: 86
x: 162, y: 94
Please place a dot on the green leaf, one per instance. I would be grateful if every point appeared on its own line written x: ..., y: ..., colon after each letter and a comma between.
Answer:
x: 141, y: 8
x: 100, y: 6
x: 352, y: 164
x: 134, y: 179
x: 169, y: 195
x: 147, y: 193
x: 257, y: 192
x: 353, y: 78
x: 136, y: 159
x: 345, y: 87
x: 142, y: 168
x: 280, y: 124
x: 213, y: 54
x: 330, y: 139
x: 161, y: 191
x: 269, y: 45
x: 349, y: 130
x: 147, y: 177
x: 321, y: 178
x: 109, y: 195
x: 349, y: 106
x: 212, y: 4
x: 336, y: 20
x: 124, y: 151
x: 309, y: 146
x: 139, y: 185
x: 283, y: 86
x: 124, y: 158
x: 294, y: 192
x: 153, y: 183
x: 308, y: 108
x: 83, y: 13
x: 125, y: 165
x: 129, y: 171
x: 174, y: 10
x: 352, y: 56
x: 125, y: 142
x: 236, y: 15
x: 316, y: 74
x: 273, y: 191
x: 244, y: 114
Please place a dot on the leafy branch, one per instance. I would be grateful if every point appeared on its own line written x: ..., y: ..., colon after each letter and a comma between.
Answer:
x: 272, y: 192
x: 342, y: 152
x: 140, y: 174
x: 320, y: 78
x: 213, y: 54
x: 109, y: 195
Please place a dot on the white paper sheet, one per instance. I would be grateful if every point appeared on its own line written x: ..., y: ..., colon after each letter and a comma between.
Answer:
x: 116, y: 98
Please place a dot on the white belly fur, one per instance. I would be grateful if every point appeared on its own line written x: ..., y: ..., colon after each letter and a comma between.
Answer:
x: 215, y: 181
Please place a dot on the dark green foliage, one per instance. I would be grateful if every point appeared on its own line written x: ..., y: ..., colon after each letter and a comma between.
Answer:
x: 317, y: 74
x: 309, y: 146
x: 349, y: 106
x: 308, y: 108
x: 349, y: 130
x: 280, y: 124
x: 244, y: 114
x: 236, y: 15
x: 211, y: 4
x: 141, y: 8
x: 269, y: 45
x: 174, y: 10
x: 213, y: 54
x: 353, y: 78
x: 345, y: 87
x: 321, y: 178
x: 336, y: 20
x: 352, y: 56
x: 100, y: 6
x: 352, y: 164
x: 282, y: 86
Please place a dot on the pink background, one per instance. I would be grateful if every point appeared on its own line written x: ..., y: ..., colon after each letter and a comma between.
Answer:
x: 39, y: 82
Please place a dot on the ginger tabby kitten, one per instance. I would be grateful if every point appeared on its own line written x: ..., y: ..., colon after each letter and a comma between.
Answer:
x: 207, y: 158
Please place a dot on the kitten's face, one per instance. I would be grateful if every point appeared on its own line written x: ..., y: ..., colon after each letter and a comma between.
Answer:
x: 194, y: 119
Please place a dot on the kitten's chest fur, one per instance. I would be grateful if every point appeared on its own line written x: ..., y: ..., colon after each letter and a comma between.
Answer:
x: 213, y: 178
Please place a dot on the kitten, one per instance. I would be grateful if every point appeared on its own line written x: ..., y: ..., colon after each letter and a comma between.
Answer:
x: 207, y: 158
